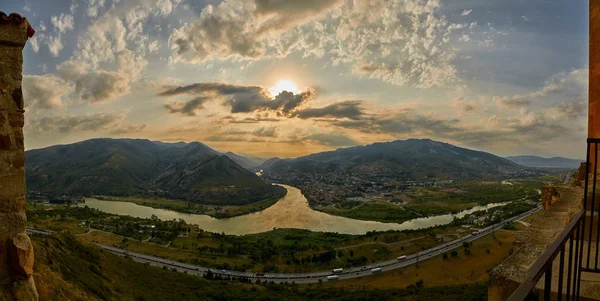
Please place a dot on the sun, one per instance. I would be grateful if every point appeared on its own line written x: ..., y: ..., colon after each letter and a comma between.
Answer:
x: 283, y: 85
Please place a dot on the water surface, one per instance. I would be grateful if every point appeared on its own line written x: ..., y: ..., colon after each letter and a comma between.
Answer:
x: 292, y: 211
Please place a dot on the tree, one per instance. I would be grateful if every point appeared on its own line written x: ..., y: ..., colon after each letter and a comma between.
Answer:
x: 445, y: 255
x: 454, y: 253
x: 351, y: 253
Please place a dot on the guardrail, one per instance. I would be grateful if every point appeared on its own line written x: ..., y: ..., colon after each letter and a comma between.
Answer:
x: 543, y: 267
x: 573, y: 236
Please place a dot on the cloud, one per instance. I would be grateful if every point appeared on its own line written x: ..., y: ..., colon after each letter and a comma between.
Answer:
x: 239, y: 28
x: 93, y: 85
x: 44, y: 91
x: 271, y: 132
x: 351, y: 109
x: 128, y: 129
x: 464, y: 106
x: 62, y: 23
x: 466, y: 12
x: 560, y: 86
x: 517, y: 101
x: 54, y: 45
x: 253, y: 120
x: 93, y: 7
x: 187, y: 108
x: 76, y: 123
x: 332, y: 139
x: 406, y: 43
x: 242, y: 99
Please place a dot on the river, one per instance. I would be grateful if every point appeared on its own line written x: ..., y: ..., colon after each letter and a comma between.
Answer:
x: 292, y: 211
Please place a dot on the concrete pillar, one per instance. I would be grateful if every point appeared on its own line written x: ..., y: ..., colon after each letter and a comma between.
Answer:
x: 16, y: 251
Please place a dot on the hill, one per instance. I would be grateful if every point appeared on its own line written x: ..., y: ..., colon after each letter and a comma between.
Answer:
x: 65, y: 269
x: 246, y: 162
x: 541, y: 162
x: 123, y: 167
x: 412, y: 159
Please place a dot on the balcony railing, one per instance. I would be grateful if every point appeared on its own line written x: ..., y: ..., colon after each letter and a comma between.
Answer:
x: 568, y: 284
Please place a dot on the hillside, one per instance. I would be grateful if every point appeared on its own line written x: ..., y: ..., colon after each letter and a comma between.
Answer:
x: 541, y: 162
x: 123, y: 167
x: 245, y: 161
x: 412, y: 159
x: 65, y: 269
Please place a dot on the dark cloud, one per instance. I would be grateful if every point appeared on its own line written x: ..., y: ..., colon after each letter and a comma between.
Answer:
x: 266, y: 132
x: 188, y: 108
x: 75, y: 123
x: 242, y: 99
x: 351, y: 109
x: 334, y: 140
x: 515, y: 102
x: 253, y: 120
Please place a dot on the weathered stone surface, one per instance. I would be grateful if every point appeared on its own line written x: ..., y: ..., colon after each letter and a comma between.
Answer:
x: 18, y: 160
x: 5, y: 142
x: 18, y: 136
x: 16, y: 119
x: 20, y: 256
x: 25, y: 289
x: 16, y: 250
x: 549, y: 196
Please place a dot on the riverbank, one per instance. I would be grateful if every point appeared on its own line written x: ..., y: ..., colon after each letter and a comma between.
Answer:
x: 195, y: 208
x: 422, y: 202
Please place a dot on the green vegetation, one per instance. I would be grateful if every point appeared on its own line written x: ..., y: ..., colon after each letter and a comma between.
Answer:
x: 374, y: 211
x: 194, y: 208
x: 68, y: 270
x: 135, y: 167
x: 282, y: 250
x: 418, y: 202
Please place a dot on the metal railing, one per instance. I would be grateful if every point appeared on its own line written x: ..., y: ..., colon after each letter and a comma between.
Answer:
x: 568, y: 285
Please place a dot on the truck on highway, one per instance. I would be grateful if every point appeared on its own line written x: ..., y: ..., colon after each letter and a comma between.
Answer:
x: 401, y: 258
x: 338, y: 271
x: 376, y: 270
x: 333, y: 277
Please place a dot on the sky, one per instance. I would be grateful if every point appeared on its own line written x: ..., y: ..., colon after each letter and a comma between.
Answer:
x: 288, y: 78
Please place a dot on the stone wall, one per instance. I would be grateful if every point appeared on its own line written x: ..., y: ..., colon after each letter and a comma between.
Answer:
x: 16, y: 251
x: 549, y: 195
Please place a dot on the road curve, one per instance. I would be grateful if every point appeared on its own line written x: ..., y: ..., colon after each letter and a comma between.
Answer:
x: 312, y: 277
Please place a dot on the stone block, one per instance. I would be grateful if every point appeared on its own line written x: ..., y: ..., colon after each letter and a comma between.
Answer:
x: 5, y: 142
x: 13, y: 184
x: 25, y: 290
x: 18, y: 160
x: 12, y: 203
x: 16, y: 119
x: 20, y: 256
x: 14, y: 34
x: 18, y: 136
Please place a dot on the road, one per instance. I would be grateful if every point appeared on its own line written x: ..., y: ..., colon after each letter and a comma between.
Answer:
x: 312, y: 277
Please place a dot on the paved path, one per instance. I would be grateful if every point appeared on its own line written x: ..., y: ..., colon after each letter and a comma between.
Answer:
x: 312, y: 277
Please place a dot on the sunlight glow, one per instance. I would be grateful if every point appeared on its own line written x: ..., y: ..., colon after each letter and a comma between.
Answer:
x: 283, y: 85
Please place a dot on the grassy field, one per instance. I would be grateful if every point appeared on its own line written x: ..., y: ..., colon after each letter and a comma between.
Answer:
x: 374, y: 211
x: 462, y: 269
x: 67, y: 270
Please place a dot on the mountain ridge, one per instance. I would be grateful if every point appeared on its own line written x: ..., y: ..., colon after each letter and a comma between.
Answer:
x: 192, y: 172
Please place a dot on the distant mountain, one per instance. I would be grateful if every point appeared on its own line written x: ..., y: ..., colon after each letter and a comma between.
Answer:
x: 188, y: 171
x: 554, y: 162
x: 245, y: 161
x: 411, y: 159
x: 268, y: 163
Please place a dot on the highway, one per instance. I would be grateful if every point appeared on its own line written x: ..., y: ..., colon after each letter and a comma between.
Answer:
x: 312, y: 277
